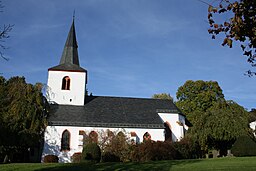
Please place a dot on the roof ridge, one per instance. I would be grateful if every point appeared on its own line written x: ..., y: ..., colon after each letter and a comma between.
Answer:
x: 124, y: 97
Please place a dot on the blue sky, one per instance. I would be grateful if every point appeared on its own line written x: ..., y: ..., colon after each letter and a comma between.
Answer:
x: 131, y: 48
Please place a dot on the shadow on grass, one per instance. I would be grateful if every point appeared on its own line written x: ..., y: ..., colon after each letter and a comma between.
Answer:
x: 157, y: 165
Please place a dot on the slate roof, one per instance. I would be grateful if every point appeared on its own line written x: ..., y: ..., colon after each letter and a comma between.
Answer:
x: 69, y: 59
x: 114, y: 112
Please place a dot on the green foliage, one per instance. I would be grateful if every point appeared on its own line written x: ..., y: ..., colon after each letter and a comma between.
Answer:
x: 239, y: 24
x: 22, y: 114
x: 51, y: 159
x: 244, y: 146
x: 91, y: 152
x: 165, y: 96
x: 233, y: 122
x: 118, y: 147
x: 216, y: 122
x: 252, y: 115
x: 199, y: 95
x: 187, y: 148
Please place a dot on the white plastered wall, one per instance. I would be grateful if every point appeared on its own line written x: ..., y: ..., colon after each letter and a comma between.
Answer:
x: 253, y: 126
x: 74, y: 96
x: 177, y: 123
x: 52, y: 139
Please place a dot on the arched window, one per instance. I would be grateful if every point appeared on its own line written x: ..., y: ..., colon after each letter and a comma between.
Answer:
x: 110, y: 134
x: 93, y: 136
x: 120, y: 137
x: 167, y: 131
x: 134, y: 138
x: 65, y: 83
x: 146, y: 137
x: 65, y: 140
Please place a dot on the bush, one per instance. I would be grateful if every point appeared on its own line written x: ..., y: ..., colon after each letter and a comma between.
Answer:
x: 244, y: 146
x: 110, y: 157
x: 91, y: 151
x: 118, y: 148
x: 187, y: 149
x: 76, y: 157
x: 153, y: 151
x: 51, y: 159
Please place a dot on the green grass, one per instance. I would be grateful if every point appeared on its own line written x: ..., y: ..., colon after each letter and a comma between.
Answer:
x: 232, y: 164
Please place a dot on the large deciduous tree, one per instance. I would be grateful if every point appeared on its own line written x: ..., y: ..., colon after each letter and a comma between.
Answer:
x: 252, y: 115
x: 198, y: 96
x: 22, y: 113
x: 237, y: 21
x: 217, y: 123
x: 220, y: 126
x: 166, y: 96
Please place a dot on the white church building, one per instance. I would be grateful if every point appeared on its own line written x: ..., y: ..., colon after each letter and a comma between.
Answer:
x: 74, y: 115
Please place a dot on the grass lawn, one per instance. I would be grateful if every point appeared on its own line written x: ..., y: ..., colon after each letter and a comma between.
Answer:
x: 233, y: 164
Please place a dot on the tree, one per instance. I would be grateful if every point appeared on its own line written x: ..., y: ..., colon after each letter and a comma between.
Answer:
x: 162, y: 96
x: 252, y: 115
x: 216, y: 122
x: 240, y: 25
x: 221, y: 125
x: 197, y: 96
x: 4, y: 34
x: 23, y: 115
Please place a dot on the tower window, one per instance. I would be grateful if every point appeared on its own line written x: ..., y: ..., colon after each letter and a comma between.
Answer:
x: 65, y: 83
x: 65, y: 140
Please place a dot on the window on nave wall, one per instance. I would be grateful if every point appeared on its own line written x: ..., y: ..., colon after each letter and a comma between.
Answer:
x: 146, y: 137
x: 65, y: 83
x: 65, y: 140
x: 93, y: 136
x: 133, y: 138
x: 167, y: 131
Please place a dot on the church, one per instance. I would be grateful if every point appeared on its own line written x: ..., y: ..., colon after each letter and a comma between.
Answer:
x: 75, y: 115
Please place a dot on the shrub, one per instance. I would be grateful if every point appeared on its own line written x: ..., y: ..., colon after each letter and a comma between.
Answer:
x: 153, y: 151
x: 51, y: 159
x: 118, y: 148
x: 187, y: 149
x: 244, y: 146
x: 76, y: 157
x: 91, y: 151
x: 110, y: 157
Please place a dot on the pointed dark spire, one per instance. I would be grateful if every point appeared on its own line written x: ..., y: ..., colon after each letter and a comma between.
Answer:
x: 70, y: 54
x: 69, y: 60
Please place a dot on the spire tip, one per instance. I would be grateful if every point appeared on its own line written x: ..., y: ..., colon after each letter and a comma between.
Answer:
x: 74, y: 15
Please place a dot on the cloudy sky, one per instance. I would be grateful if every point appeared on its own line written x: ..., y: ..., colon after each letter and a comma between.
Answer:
x: 131, y: 48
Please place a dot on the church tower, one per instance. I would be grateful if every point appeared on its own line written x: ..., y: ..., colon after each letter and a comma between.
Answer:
x: 67, y: 81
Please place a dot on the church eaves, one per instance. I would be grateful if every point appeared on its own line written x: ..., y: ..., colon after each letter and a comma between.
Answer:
x: 69, y: 59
